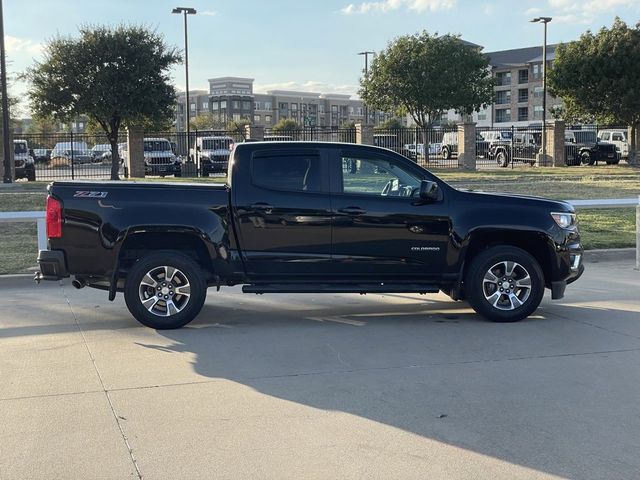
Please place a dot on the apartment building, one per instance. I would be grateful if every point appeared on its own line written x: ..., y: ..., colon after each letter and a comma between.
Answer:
x: 233, y: 98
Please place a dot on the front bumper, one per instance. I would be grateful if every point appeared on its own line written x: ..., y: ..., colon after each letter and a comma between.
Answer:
x: 163, y: 169
x: 217, y: 165
x: 53, y: 265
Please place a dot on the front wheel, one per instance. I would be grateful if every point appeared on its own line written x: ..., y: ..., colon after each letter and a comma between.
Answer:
x: 586, y: 158
x: 165, y: 290
x: 502, y: 159
x: 504, y: 284
x: 446, y: 154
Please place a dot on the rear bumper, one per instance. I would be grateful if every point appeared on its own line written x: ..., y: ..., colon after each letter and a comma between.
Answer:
x: 53, y: 265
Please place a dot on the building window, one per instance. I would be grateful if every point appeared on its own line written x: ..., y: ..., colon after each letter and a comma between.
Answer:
x: 294, y: 107
x: 205, y: 105
x: 537, y: 92
x: 267, y: 119
x: 503, y: 115
x: 193, y: 107
x: 236, y: 117
x: 235, y: 104
x: 503, y: 78
x: 321, y: 108
x: 503, y: 97
x: 537, y: 71
x: 256, y: 106
x: 523, y: 95
x: 214, y: 106
x: 537, y: 112
x: 523, y: 114
x: 223, y: 104
x: 267, y: 106
x: 523, y: 76
x: 256, y: 119
x: 482, y: 115
x: 246, y: 105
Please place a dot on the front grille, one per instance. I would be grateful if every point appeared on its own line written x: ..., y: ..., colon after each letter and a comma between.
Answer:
x: 160, y: 161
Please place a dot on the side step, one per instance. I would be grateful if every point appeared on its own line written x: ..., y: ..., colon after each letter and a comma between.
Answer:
x: 338, y: 288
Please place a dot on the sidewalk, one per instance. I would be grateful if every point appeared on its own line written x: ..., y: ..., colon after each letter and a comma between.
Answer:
x: 321, y: 386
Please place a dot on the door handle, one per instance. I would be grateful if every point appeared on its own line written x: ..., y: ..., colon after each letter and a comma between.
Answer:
x: 261, y: 206
x: 352, y: 211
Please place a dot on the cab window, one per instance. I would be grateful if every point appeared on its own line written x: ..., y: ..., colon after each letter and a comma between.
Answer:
x: 299, y: 173
x: 377, y: 177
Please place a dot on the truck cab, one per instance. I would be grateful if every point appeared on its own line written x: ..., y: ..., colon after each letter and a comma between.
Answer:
x: 24, y: 161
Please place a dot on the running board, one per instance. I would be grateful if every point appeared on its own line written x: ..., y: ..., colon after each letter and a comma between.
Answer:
x: 361, y: 288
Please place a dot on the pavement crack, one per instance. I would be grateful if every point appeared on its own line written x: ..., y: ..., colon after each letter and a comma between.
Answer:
x: 116, y: 417
x: 582, y: 322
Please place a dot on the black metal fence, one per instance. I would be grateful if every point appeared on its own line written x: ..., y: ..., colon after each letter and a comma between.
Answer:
x: 64, y: 156
x: 312, y: 134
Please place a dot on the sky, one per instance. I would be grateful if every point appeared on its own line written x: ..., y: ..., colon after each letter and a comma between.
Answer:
x: 307, y: 45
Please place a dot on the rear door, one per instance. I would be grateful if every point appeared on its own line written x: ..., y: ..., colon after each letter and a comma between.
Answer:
x: 283, y: 212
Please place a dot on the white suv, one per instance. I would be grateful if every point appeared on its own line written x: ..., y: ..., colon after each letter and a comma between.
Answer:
x: 619, y: 138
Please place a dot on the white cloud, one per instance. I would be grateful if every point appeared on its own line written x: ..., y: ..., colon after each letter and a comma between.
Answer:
x: 532, y: 11
x: 384, y: 6
x: 209, y: 13
x: 21, y: 45
x: 309, y: 86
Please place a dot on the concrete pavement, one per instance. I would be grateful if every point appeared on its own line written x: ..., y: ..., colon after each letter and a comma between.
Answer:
x: 321, y: 386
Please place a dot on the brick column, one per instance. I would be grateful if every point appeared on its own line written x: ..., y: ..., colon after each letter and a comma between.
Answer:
x: 556, y: 143
x: 254, y: 132
x: 364, y: 134
x: 467, y: 146
x: 548, y: 160
x: 634, y: 145
x: 135, y: 150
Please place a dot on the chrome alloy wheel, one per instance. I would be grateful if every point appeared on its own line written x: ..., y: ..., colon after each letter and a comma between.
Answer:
x: 506, y: 285
x: 164, y: 291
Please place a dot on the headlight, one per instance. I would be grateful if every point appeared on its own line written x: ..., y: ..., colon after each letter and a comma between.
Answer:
x: 564, y: 220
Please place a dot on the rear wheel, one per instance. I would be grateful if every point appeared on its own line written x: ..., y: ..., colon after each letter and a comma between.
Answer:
x: 586, y: 158
x: 446, y: 154
x: 504, y: 284
x: 165, y: 290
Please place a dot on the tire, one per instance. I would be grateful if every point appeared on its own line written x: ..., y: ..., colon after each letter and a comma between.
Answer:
x: 31, y: 175
x: 147, y: 276
x: 613, y: 162
x: 586, y: 158
x: 484, y: 279
x: 446, y: 154
x: 502, y: 159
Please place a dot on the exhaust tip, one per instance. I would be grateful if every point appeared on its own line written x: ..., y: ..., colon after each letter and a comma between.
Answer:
x: 78, y: 283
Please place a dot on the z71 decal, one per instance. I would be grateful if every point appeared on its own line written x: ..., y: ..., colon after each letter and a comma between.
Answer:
x: 87, y: 194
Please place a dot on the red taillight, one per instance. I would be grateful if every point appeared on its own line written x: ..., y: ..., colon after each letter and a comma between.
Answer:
x: 54, y: 218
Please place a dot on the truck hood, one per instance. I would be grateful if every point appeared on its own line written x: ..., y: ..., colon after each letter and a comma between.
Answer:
x: 220, y: 152
x: 158, y: 154
x: 499, y: 198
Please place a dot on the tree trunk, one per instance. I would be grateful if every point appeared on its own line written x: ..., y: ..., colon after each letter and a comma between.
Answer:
x: 632, y: 159
x: 115, y: 157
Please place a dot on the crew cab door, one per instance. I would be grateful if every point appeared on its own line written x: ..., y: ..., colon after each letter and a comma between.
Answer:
x: 381, y: 228
x: 282, y: 212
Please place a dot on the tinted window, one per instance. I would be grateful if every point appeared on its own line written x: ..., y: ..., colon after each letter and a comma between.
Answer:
x: 617, y: 137
x: 157, y: 146
x: 372, y: 176
x: 287, y: 172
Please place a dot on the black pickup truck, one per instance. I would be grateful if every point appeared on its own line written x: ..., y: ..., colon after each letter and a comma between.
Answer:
x: 309, y: 218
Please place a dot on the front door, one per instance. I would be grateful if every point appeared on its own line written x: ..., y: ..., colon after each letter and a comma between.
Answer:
x: 283, y: 213
x: 381, y: 228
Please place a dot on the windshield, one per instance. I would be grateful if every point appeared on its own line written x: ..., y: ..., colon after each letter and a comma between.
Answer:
x: 216, y: 144
x: 19, y: 147
x: 77, y: 146
x: 585, y: 136
x: 157, y: 146
x: 505, y: 135
x: 102, y: 147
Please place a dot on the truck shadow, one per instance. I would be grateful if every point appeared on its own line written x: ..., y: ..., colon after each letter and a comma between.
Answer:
x: 435, y: 369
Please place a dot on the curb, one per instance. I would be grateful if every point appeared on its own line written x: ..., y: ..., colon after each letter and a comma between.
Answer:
x: 610, y: 255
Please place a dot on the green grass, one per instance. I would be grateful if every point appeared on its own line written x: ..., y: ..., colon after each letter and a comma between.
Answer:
x: 600, y: 228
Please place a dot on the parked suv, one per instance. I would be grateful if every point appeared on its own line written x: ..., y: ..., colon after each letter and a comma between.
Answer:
x: 214, y: 153
x: 450, y: 145
x: 619, y: 138
x: 583, y: 147
x: 523, y: 147
x: 24, y: 162
x: 159, y: 158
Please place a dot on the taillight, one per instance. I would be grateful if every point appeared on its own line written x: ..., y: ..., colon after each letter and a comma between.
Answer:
x: 54, y: 218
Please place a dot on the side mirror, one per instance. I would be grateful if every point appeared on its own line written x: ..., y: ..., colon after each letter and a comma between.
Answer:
x: 428, y: 190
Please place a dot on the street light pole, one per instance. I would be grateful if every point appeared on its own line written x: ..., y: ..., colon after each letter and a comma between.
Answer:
x: 186, y: 11
x: 5, y: 105
x: 366, y: 75
x: 544, y: 20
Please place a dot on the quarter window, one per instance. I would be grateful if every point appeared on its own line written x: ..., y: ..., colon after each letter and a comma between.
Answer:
x: 377, y: 177
x: 300, y: 173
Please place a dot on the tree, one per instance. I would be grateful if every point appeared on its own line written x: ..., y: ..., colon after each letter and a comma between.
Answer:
x: 238, y: 126
x: 598, y: 77
x: 425, y: 75
x: 43, y: 126
x: 206, y: 121
x: 285, y: 125
x: 117, y: 76
x: 391, y: 124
